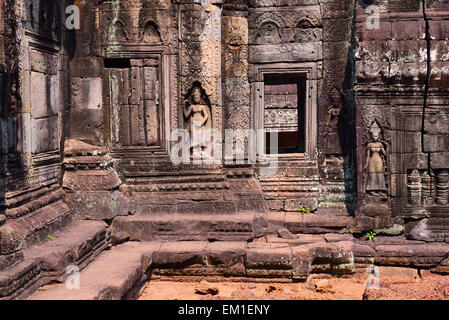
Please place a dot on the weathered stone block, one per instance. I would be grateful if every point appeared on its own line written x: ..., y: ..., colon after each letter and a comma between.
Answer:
x: 39, y: 93
x: 337, y: 29
x: 180, y: 254
x: 86, y: 67
x: 381, y: 225
x: 439, y: 160
x: 87, y: 93
x: 285, y: 52
x: 10, y: 240
x: 381, y: 34
x: 335, y: 9
x: 428, y: 229
x: 408, y: 29
x: 437, y: 121
x: 39, y: 61
x: 436, y: 143
x: 269, y: 256
x: 97, y: 205
x: 45, y: 134
x: 54, y: 92
x: 87, y: 125
x: 410, y: 142
x: 27, y: 138
x: 302, y: 262
x: 334, y: 71
x: 276, y: 3
x: 10, y: 259
x: 335, y: 50
x: 439, y: 29
x: 225, y: 254
x: 426, y: 255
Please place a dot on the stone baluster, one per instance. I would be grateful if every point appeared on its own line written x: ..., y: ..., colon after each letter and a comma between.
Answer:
x: 426, y: 191
x: 442, y: 193
x: 414, y: 188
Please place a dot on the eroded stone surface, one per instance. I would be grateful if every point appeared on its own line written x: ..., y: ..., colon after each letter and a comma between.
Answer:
x: 87, y: 118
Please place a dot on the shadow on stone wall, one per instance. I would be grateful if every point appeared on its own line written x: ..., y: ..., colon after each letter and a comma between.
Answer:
x: 346, y: 127
x: 69, y: 44
x: 3, y: 142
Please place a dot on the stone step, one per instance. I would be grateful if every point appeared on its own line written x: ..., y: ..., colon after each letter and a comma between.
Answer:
x: 225, y: 227
x: 179, y: 227
x: 76, y: 244
x: 121, y: 272
x: 118, y: 273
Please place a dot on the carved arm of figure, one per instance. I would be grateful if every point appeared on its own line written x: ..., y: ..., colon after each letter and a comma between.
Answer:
x: 205, y: 115
x: 187, y: 109
x: 329, y: 121
x: 368, y: 156
x: 384, y: 156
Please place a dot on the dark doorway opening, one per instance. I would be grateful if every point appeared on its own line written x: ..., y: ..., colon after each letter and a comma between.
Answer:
x: 284, y: 112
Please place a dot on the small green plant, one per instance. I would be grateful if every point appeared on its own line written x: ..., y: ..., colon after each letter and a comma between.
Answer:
x: 51, y: 238
x: 304, y: 210
x: 350, y: 231
x: 38, y: 239
x: 371, y: 235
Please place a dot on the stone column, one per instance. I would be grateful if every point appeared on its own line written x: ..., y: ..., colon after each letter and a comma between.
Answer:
x: 336, y: 108
x: 89, y: 178
x: 200, y: 56
x: 236, y: 87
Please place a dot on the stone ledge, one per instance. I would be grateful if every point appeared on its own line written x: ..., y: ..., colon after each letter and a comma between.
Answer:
x: 238, y: 227
x: 116, y: 274
x: 230, y: 227
x: 120, y: 272
x: 77, y: 244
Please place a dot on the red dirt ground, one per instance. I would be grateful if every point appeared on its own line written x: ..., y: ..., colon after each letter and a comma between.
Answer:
x: 401, y: 286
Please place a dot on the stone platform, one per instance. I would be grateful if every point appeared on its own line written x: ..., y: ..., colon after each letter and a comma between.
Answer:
x: 77, y: 244
x: 225, y: 227
x: 120, y: 273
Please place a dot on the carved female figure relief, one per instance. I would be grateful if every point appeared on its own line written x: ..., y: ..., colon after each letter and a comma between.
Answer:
x: 198, y: 122
x: 151, y: 33
x: 375, y: 159
x: 334, y: 120
x: 268, y: 33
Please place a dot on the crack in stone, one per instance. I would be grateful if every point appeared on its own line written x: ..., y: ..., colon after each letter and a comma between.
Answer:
x: 426, y: 85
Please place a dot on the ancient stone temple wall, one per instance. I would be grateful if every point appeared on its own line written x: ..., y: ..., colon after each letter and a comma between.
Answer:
x: 400, y: 94
x: 34, y: 97
x: 91, y: 118
x: 100, y: 125
x: 89, y: 176
x: 336, y: 108
x: 285, y: 39
x: 146, y: 59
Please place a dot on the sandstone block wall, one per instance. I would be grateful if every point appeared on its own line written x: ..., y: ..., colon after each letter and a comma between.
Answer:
x: 87, y: 115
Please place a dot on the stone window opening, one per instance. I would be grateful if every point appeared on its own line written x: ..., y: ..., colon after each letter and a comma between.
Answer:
x: 285, y: 112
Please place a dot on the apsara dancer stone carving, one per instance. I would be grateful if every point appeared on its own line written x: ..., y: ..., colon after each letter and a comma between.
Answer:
x: 198, y: 122
x: 375, y: 158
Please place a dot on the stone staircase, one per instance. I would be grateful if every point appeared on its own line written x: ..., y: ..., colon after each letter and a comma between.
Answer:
x: 119, y: 273
x: 119, y: 269
x: 122, y: 271
x: 76, y: 244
